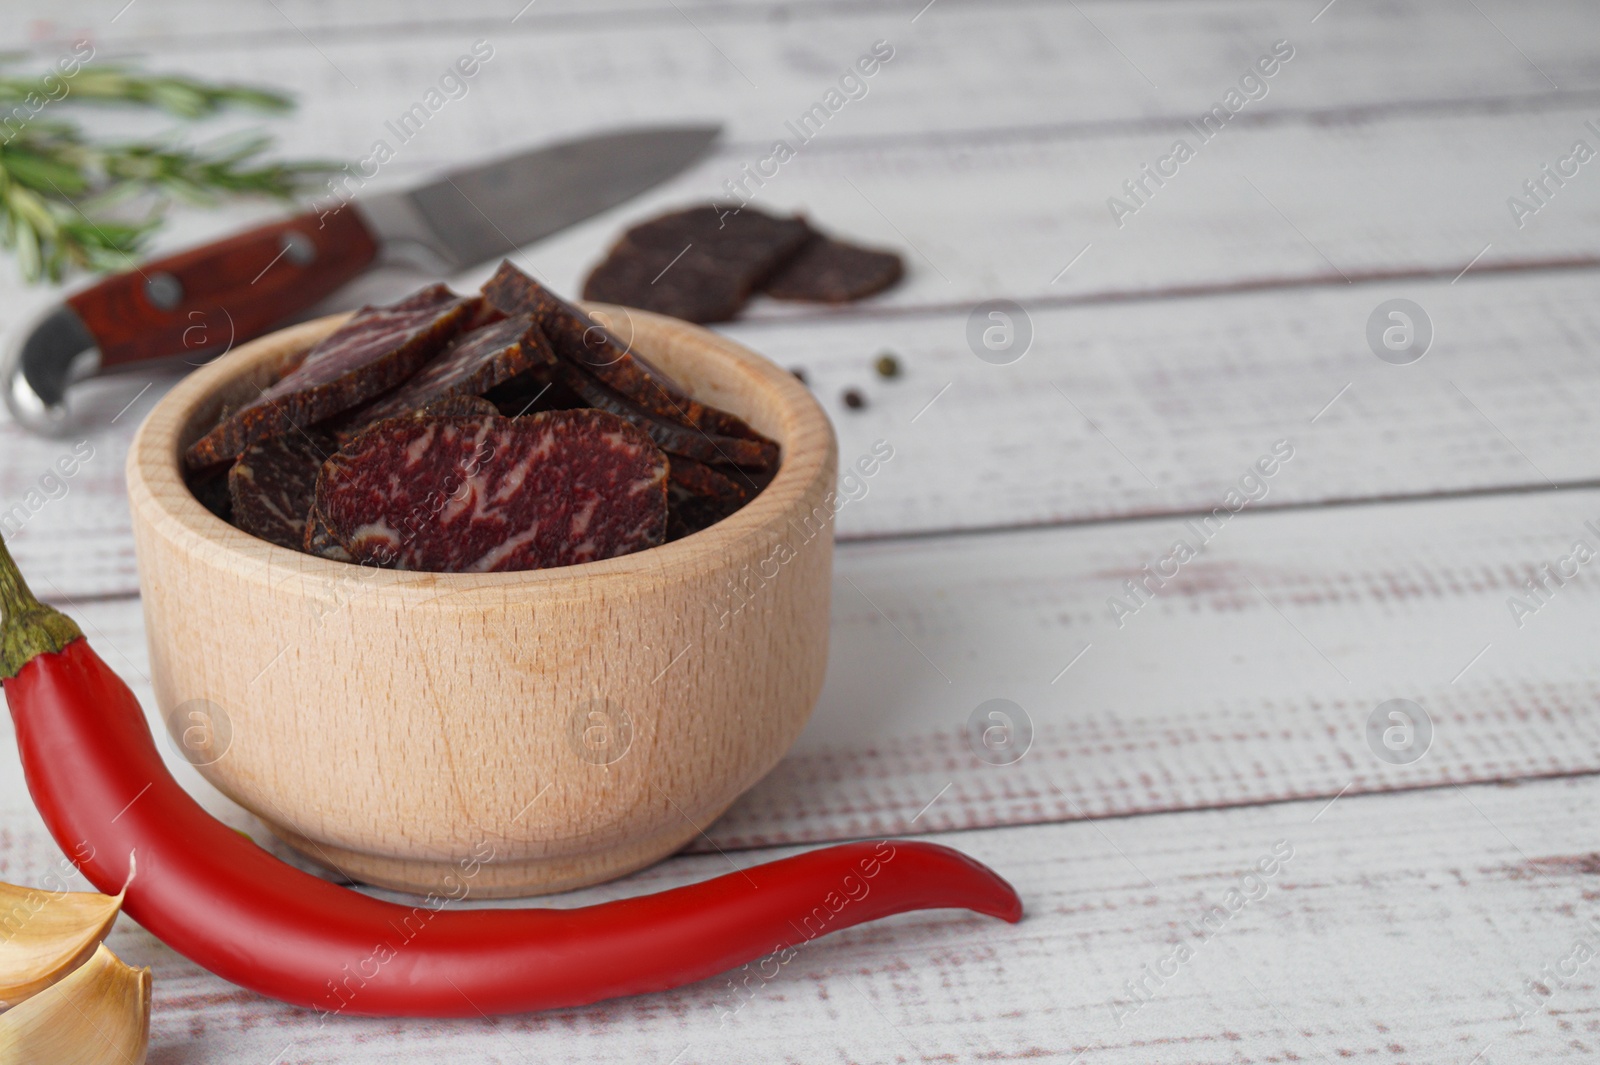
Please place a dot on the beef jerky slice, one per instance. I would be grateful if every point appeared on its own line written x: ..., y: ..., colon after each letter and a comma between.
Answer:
x: 671, y: 436
x: 377, y: 349
x: 458, y: 407
x: 698, y: 497
x: 273, y: 484
x: 831, y: 271
x: 688, y: 513
x: 320, y: 542
x: 532, y: 391
x: 210, y: 489
x: 579, y: 339
x: 701, y: 264
x: 475, y: 495
x: 470, y: 365
x: 699, y: 479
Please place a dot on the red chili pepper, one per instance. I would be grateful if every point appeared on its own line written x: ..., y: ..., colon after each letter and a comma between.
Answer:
x: 95, y: 774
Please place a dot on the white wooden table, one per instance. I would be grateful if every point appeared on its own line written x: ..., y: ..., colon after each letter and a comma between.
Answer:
x: 1441, y: 910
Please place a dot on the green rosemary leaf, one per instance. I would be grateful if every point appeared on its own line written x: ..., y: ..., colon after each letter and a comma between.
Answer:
x: 119, y: 84
x: 69, y: 201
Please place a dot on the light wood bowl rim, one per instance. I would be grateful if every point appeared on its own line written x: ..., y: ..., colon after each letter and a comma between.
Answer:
x: 155, y: 479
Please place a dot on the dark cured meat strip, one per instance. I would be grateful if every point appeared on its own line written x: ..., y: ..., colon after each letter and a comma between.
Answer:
x: 320, y: 542
x: 699, y: 479
x: 699, y: 496
x: 701, y: 264
x: 579, y: 339
x: 692, y: 289
x: 273, y: 485
x: 532, y: 391
x: 458, y: 407
x: 688, y: 513
x: 670, y: 436
x: 831, y: 271
x: 469, y: 365
x: 210, y: 488
x: 475, y: 495
x: 370, y: 354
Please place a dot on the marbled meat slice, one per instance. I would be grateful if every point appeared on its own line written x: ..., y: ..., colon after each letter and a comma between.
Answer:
x: 273, y: 485
x: 484, y: 494
x: 670, y: 436
x: 700, y: 264
x: 831, y: 271
x: 377, y: 349
x: 469, y: 365
x: 580, y: 340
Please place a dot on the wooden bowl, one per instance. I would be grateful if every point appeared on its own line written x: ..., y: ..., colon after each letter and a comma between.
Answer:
x: 501, y: 733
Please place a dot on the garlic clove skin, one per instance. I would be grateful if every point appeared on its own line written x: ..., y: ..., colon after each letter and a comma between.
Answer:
x: 44, y: 935
x: 99, y: 1014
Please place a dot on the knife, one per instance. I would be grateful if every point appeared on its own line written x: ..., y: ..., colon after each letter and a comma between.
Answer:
x: 254, y: 280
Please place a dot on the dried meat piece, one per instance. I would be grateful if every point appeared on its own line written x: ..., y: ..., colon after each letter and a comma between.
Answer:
x: 486, y: 494
x: 273, y: 485
x: 701, y: 264
x: 699, y: 496
x: 670, y: 436
x: 210, y: 490
x: 458, y: 407
x: 831, y: 271
x: 688, y: 513
x: 469, y: 365
x: 532, y: 391
x: 693, y: 288
x: 700, y: 479
x: 377, y: 349
x: 580, y: 340
x: 319, y: 540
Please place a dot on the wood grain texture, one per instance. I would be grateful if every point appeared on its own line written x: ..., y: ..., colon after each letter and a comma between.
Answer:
x: 1249, y: 677
x: 581, y: 720
x: 1111, y: 414
x: 251, y: 280
x: 1403, y: 928
x: 1408, y: 925
x: 1207, y: 696
x: 1417, y: 193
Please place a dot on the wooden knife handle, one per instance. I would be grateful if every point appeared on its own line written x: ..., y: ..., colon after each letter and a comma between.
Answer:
x: 204, y: 300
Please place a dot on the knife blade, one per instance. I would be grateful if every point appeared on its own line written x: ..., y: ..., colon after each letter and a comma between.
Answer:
x: 199, y: 301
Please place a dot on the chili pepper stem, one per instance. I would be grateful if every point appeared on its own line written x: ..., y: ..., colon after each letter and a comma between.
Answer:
x: 29, y: 628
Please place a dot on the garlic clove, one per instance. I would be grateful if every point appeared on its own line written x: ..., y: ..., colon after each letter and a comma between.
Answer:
x: 44, y: 935
x: 99, y: 1014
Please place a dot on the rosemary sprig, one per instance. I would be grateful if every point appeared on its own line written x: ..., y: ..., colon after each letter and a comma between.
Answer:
x: 68, y: 201
x: 116, y: 83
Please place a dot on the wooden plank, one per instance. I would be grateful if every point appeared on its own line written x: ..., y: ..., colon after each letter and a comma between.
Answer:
x: 1111, y: 414
x: 1402, y: 928
x: 1248, y: 677
x: 1121, y: 410
x: 1019, y: 62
